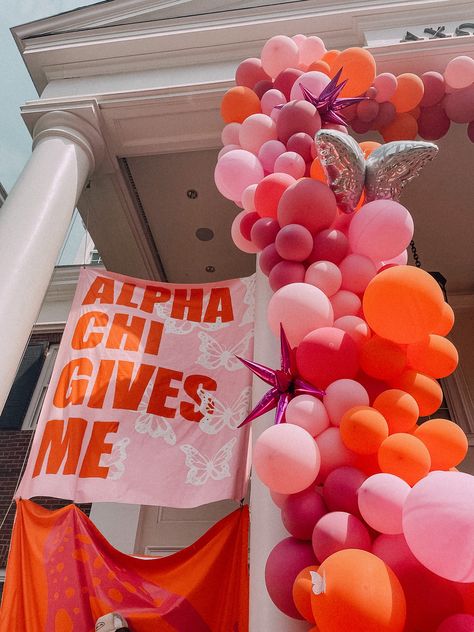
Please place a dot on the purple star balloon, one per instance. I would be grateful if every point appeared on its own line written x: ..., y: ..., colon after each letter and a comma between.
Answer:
x: 285, y: 384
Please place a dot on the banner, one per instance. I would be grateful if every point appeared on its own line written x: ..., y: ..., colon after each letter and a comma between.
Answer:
x: 146, y: 395
x: 62, y: 575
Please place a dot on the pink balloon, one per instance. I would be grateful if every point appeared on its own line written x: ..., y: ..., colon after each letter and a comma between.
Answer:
x: 437, y: 507
x: 314, y: 81
x: 301, y: 143
x: 345, y: 303
x: 356, y: 327
x: 285, y: 561
x: 308, y: 412
x: 268, y: 259
x: 381, y: 229
x: 333, y: 452
x: 324, y: 275
x: 367, y: 111
x: 361, y: 127
x: 246, y: 223
x: 299, y: 38
x: 386, y: 85
x: 286, y: 458
x: 433, y: 122
x: 248, y: 198
x: 291, y: 163
x: 459, y: 72
x: 385, y: 116
x: 341, y: 395
x: 381, y: 500
x: 459, y: 106
x: 399, y: 260
x: 271, y: 99
x: 394, y: 551
x: 256, y: 130
x: 263, y: 232
x: 329, y: 245
x: 285, y: 80
x: 284, y: 273
x: 434, y: 88
x: 341, y: 489
x: 278, y: 53
x: 297, y: 116
x: 357, y: 271
x: 278, y: 499
x: 300, y: 308
x: 300, y: 513
x: 307, y: 202
x: 226, y: 149
x: 269, y: 152
x: 457, y: 623
x: 312, y: 48
x: 339, y: 530
x: 230, y: 134
x: 294, y: 242
x: 249, y: 72
x: 236, y: 171
x: 239, y: 240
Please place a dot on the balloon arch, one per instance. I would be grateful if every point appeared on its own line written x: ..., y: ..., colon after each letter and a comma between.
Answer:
x: 381, y: 523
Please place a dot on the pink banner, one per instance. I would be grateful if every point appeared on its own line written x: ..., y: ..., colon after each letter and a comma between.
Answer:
x: 146, y: 395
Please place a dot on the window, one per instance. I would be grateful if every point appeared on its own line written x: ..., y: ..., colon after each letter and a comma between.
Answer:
x: 37, y: 399
x: 95, y: 258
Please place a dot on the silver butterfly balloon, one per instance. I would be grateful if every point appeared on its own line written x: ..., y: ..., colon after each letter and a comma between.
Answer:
x: 384, y: 174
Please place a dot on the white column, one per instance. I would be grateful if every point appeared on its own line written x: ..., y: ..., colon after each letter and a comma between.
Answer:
x: 266, y: 528
x: 33, y: 224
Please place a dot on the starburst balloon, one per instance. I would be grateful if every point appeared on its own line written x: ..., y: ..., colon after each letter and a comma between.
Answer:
x: 284, y: 382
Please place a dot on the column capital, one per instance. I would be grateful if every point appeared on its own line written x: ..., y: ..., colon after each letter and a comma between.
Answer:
x: 59, y: 123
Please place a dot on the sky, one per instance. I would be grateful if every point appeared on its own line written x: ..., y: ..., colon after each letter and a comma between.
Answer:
x: 15, y: 82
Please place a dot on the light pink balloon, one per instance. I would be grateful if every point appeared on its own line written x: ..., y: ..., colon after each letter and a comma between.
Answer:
x: 381, y: 500
x: 308, y: 412
x: 300, y: 308
x: 291, y: 163
x: 286, y: 458
x: 299, y: 38
x: 294, y: 242
x: 356, y: 271
x: 226, y: 149
x: 459, y: 72
x: 342, y: 395
x: 278, y: 53
x: 386, y: 85
x: 314, y: 81
x: 438, y: 507
x: 356, y: 327
x: 269, y: 152
x: 248, y: 198
x: 341, y: 488
x: 278, y: 499
x: 271, y: 99
x: 457, y: 623
x: 333, y: 452
x: 235, y: 171
x: 381, y: 230
x: 345, y: 303
x: 230, y: 134
x: 339, y: 530
x: 239, y: 240
x: 325, y: 275
x: 399, y: 260
x: 312, y: 49
x: 300, y: 513
x: 256, y: 130
x: 284, y: 273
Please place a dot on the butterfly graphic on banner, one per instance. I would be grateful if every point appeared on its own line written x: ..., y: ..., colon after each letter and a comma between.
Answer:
x: 201, y: 468
x: 115, y: 460
x: 218, y: 415
x: 155, y: 426
x: 215, y: 355
x: 183, y: 327
x: 249, y: 299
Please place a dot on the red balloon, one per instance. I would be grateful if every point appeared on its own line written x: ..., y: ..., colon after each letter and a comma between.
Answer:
x: 297, y: 116
x: 285, y: 80
x: 307, y: 202
x: 269, y: 191
x: 329, y: 245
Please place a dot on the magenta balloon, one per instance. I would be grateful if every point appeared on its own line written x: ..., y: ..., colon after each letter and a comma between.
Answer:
x: 438, y: 506
x: 256, y: 130
x: 457, y: 623
x: 230, y: 134
x: 385, y: 116
x: 357, y: 271
x: 356, y: 327
x: 325, y: 275
x: 269, y: 152
x: 314, y: 81
x: 339, y: 530
x: 333, y: 453
x: 470, y: 131
x: 235, y: 171
x: 268, y: 259
x: 459, y: 72
x: 239, y: 240
x: 261, y: 87
x: 367, y: 111
x: 284, y: 273
x: 271, y: 99
x: 394, y: 551
x: 285, y: 80
x: 341, y: 395
x: 308, y: 412
x: 386, y: 85
x: 278, y: 53
x: 249, y: 72
x: 381, y: 229
x: 307, y: 202
x: 294, y: 242
x: 381, y: 500
x: 291, y: 163
x: 297, y: 116
x: 345, y: 303
x: 433, y: 122
x: 286, y: 560
x: 300, y: 513
x: 329, y: 245
x: 300, y: 308
x: 246, y: 223
x: 264, y: 232
x: 301, y: 143
x: 341, y: 489
x: 459, y: 105
x: 434, y: 88
x: 286, y: 458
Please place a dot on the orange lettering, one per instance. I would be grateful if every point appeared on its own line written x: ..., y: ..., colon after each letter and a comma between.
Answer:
x: 102, y: 290
x: 162, y: 389
x: 219, y: 306
x: 191, y: 386
x: 128, y: 392
x: 121, y: 328
x: 126, y: 295
x: 82, y: 337
x: 153, y: 340
x: 154, y: 295
x: 60, y: 447
x: 96, y: 447
x: 192, y: 304
x: 71, y: 390
x: 101, y: 384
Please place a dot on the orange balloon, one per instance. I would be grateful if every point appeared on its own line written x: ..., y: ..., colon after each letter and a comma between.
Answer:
x: 362, y: 594
x: 416, y: 112
x: 302, y: 589
x: 363, y: 429
x: 367, y: 463
x: 424, y: 389
x: 445, y: 324
x: 317, y: 172
x: 368, y: 146
x: 405, y: 456
x: 436, y: 356
x: 403, y: 304
x: 358, y: 67
x: 399, y: 408
x: 409, y: 92
x: 446, y: 442
x: 330, y: 56
x: 403, y: 127
x: 238, y: 103
x: 381, y: 358
x: 320, y: 65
